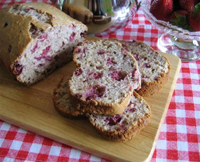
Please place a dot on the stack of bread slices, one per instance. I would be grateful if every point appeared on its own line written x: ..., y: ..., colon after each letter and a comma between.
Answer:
x: 107, y: 86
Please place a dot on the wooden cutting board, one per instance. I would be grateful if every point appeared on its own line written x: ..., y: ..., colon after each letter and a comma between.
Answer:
x: 32, y: 108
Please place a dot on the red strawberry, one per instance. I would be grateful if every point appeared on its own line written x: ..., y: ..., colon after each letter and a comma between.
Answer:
x: 161, y: 9
x: 194, y: 21
x: 188, y: 4
x: 194, y: 18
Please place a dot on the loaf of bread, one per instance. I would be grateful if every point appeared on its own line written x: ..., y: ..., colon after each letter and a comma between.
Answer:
x: 35, y: 39
x: 120, y: 127
x: 105, y: 77
x: 125, y: 126
x: 153, y: 66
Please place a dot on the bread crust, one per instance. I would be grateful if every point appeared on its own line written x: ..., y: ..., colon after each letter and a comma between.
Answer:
x: 127, y: 135
x: 150, y: 88
x: 95, y: 107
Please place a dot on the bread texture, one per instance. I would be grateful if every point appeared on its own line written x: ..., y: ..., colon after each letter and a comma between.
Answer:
x: 61, y: 100
x: 35, y: 39
x: 125, y: 126
x: 153, y: 66
x: 105, y: 77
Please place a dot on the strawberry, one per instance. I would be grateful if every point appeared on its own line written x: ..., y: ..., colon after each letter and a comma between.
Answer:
x: 194, y: 22
x: 179, y: 18
x: 194, y: 18
x: 161, y: 9
x: 188, y: 4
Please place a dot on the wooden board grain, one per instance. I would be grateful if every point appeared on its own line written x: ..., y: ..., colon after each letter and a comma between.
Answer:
x: 32, y: 108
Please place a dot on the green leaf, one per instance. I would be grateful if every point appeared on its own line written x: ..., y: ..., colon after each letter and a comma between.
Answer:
x: 197, y: 8
x: 181, y: 21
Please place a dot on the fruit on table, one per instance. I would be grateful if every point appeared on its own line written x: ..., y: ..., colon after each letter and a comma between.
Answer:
x: 182, y: 13
x: 194, y: 18
x: 161, y: 9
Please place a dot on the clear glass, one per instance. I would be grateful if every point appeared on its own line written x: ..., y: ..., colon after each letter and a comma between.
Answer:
x: 175, y: 40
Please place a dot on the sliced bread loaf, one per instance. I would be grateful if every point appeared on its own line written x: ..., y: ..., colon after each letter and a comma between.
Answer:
x: 153, y: 66
x: 105, y: 77
x: 36, y: 38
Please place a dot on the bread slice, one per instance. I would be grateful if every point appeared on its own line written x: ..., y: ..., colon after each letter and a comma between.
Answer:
x: 36, y: 38
x: 125, y: 126
x: 61, y: 100
x: 105, y: 77
x: 153, y: 66
x: 121, y: 127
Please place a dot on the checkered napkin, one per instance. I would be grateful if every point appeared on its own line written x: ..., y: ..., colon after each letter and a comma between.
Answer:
x: 179, y: 139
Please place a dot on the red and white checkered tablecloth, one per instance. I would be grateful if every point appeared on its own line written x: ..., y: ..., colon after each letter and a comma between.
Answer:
x: 179, y: 139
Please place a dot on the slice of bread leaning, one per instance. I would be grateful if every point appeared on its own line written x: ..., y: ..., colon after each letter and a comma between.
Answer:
x: 105, y: 77
x: 153, y: 66
x: 35, y: 39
